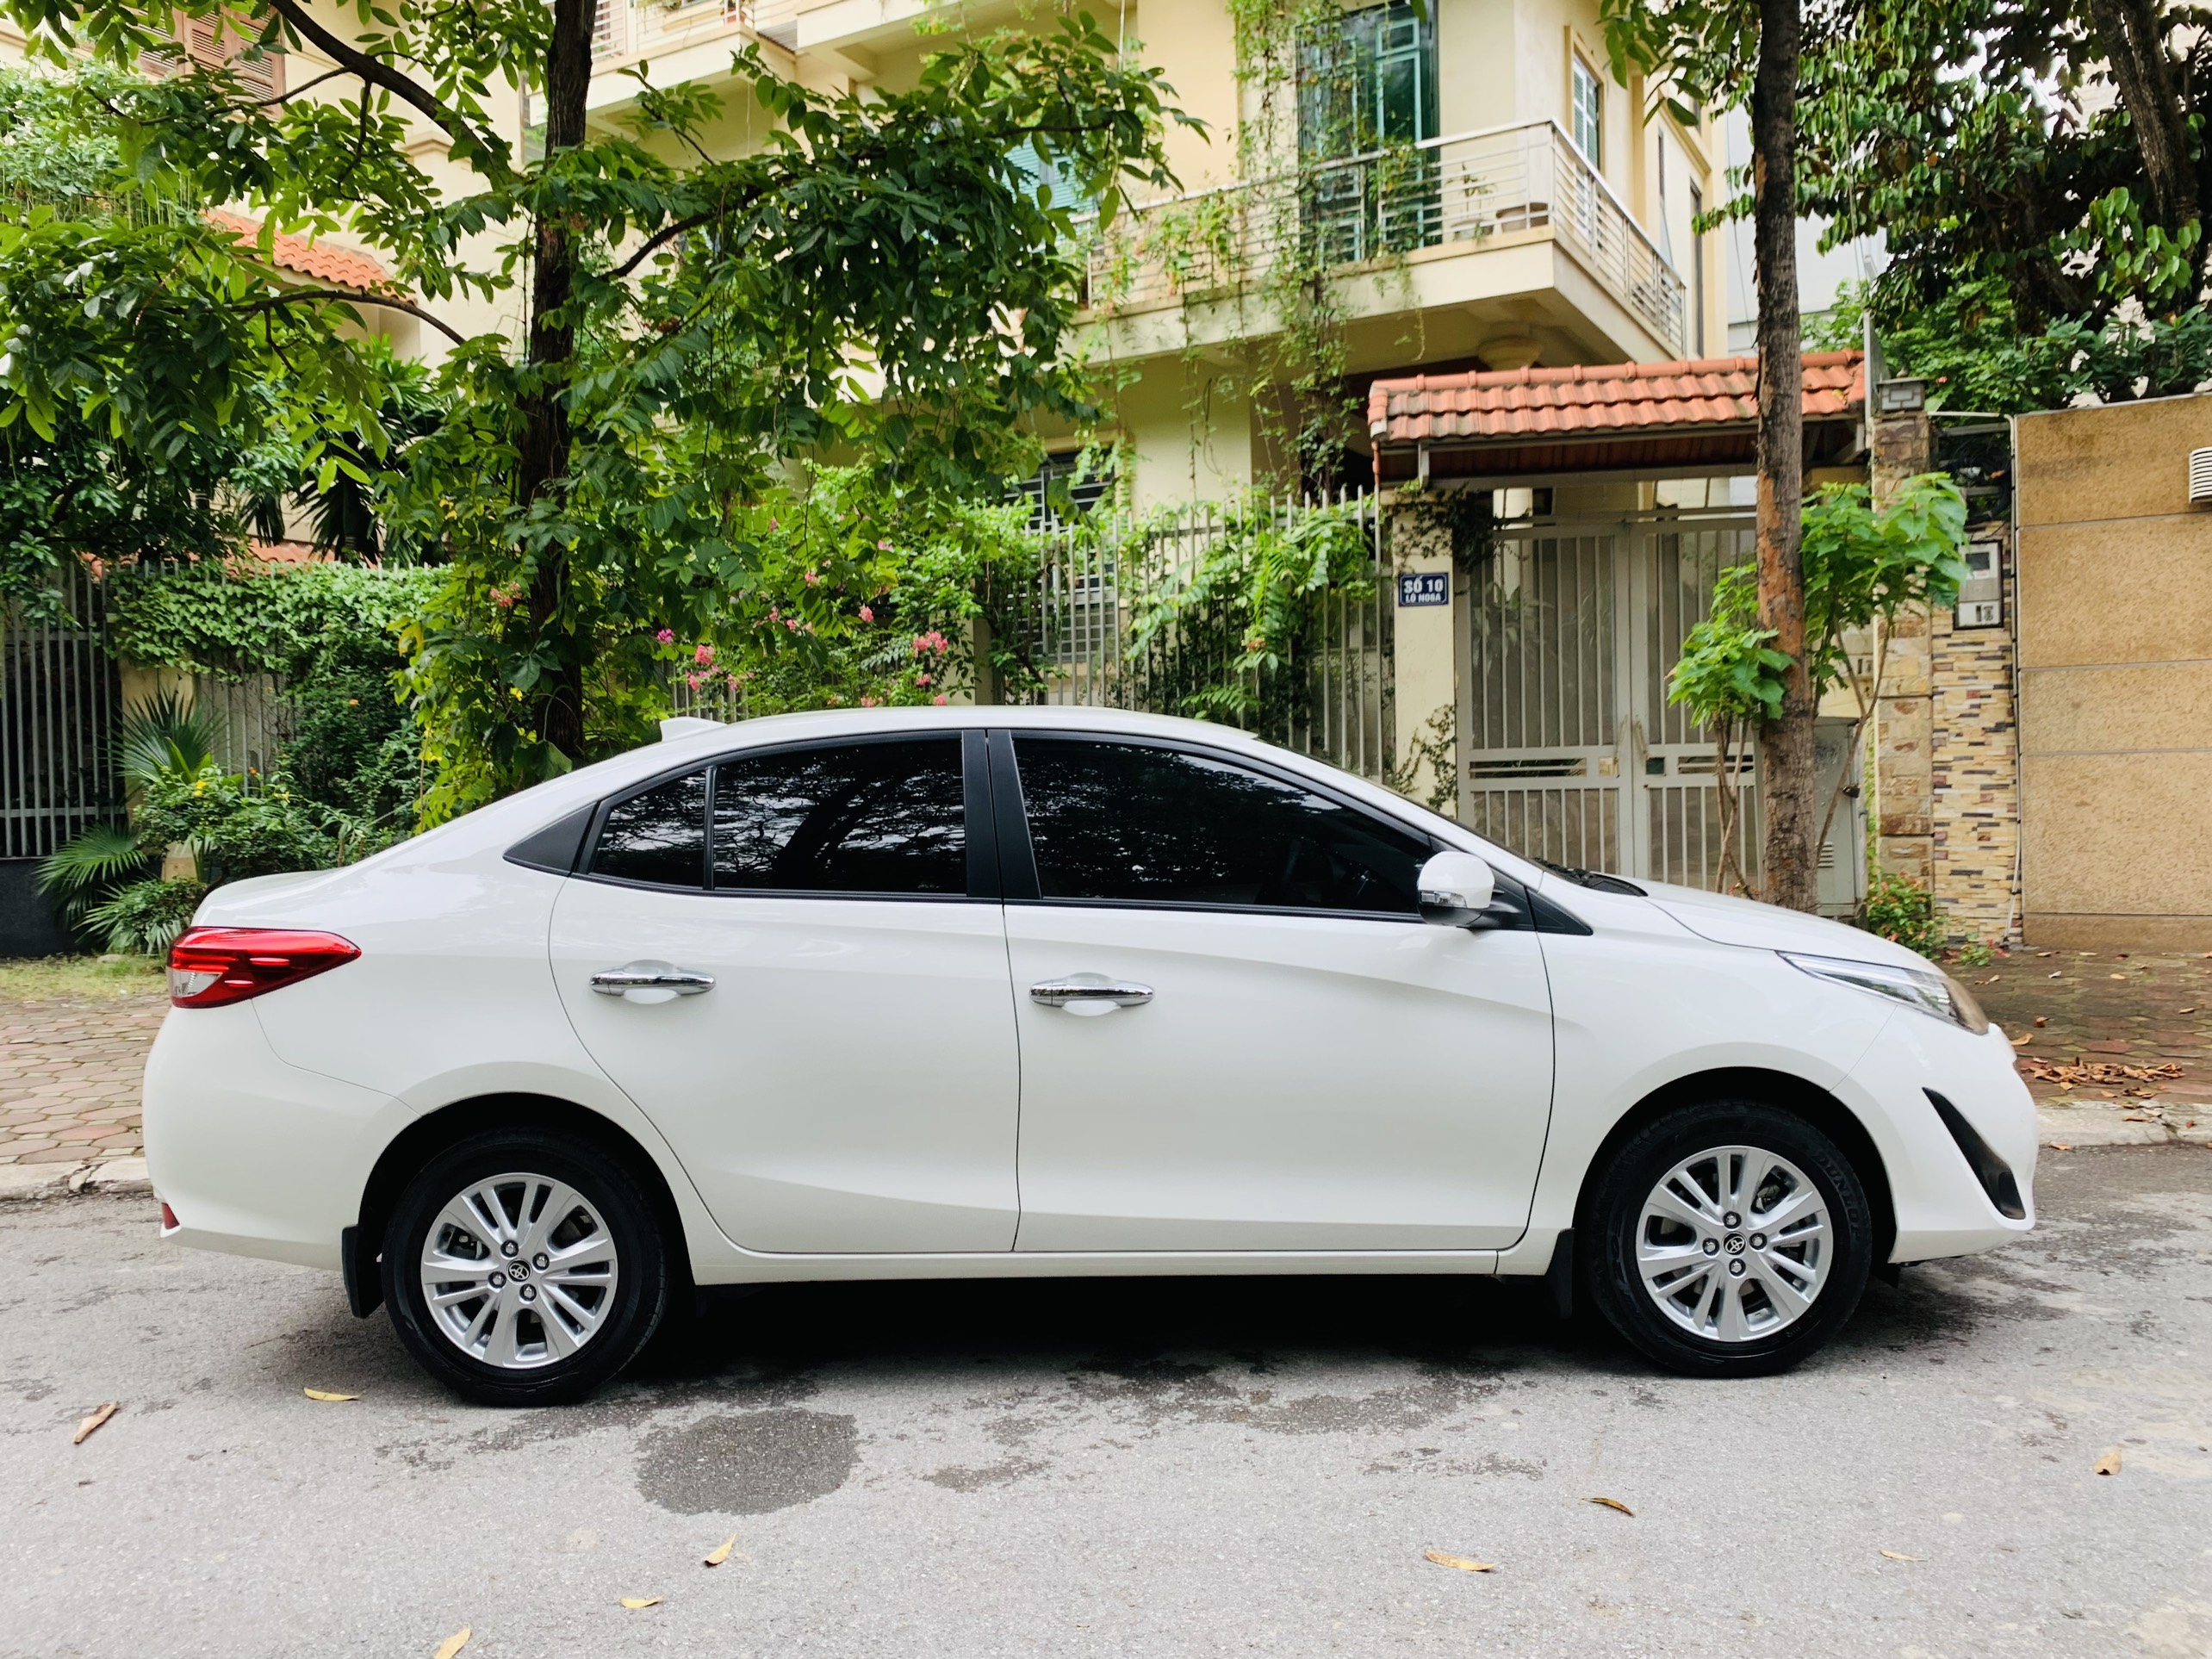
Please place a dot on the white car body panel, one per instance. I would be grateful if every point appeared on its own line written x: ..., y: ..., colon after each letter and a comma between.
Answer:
x: 1298, y: 1082
x: 265, y: 1119
x: 802, y: 1087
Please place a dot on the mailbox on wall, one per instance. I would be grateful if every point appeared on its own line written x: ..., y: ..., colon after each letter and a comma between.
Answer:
x: 1981, y: 595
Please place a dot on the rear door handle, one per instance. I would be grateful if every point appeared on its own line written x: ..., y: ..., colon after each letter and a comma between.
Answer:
x: 1090, y: 991
x: 661, y: 977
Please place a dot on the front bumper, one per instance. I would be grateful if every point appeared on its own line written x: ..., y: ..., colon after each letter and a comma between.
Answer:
x: 1941, y: 1204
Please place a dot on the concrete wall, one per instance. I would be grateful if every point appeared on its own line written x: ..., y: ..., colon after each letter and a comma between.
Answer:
x: 2114, y: 584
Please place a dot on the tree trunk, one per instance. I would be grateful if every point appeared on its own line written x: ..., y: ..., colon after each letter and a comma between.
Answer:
x: 556, y: 703
x: 1788, y: 781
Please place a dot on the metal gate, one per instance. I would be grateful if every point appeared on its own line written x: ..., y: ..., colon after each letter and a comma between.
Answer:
x: 1573, y: 752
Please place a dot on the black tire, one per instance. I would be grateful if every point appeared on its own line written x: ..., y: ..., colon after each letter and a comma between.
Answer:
x: 1613, y: 1220
x: 625, y: 1316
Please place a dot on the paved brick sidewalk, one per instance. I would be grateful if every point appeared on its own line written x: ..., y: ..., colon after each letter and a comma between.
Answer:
x: 70, y: 1074
x: 2132, y: 1009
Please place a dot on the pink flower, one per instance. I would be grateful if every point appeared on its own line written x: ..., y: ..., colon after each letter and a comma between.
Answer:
x: 693, y: 680
x: 932, y: 640
x: 666, y: 637
x: 867, y: 702
x: 866, y: 614
x: 941, y: 699
x: 792, y: 623
x: 882, y: 547
x: 921, y: 679
x: 812, y: 580
x: 704, y: 654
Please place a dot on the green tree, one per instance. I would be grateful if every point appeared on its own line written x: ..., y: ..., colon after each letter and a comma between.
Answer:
x: 1726, y: 53
x: 2035, y: 168
x: 878, y: 274
x: 1863, y: 568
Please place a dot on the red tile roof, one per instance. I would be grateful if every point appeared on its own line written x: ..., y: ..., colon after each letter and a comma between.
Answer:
x: 1598, y: 398
x: 327, y: 262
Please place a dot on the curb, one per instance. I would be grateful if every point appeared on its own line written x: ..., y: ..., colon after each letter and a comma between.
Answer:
x: 28, y: 1184
x: 2065, y: 1127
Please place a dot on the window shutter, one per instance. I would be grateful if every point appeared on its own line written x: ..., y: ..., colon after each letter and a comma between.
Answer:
x: 226, y: 39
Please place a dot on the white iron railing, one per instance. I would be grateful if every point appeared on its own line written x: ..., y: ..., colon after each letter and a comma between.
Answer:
x: 651, y: 27
x: 1442, y: 192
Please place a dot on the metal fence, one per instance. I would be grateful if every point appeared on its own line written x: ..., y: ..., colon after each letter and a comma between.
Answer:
x: 1334, y: 696
x: 59, y: 696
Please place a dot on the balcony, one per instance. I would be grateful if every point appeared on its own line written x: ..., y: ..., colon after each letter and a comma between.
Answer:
x: 621, y: 32
x: 1513, y: 186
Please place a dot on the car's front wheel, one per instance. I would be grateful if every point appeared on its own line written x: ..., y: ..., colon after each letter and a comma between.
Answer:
x: 1732, y: 1238
x: 523, y: 1267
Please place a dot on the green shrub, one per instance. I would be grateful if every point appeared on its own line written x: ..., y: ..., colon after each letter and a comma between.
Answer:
x: 145, y: 917
x: 1896, y: 907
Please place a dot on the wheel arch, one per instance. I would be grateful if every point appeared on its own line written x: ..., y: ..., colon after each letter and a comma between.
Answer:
x: 1792, y: 1094
x: 430, y: 1134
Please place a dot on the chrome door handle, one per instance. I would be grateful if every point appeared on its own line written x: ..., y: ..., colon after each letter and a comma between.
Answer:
x: 651, y: 976
x: 1084, y: 991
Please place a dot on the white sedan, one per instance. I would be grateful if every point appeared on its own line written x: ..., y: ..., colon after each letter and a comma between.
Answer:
x: 985, y: 993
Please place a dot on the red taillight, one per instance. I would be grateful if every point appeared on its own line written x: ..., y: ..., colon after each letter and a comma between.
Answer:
x: 211, y: 967
x: 169, y: 1221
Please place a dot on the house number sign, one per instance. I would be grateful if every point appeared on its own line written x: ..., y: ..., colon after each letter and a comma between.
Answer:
x: 1424, y: 587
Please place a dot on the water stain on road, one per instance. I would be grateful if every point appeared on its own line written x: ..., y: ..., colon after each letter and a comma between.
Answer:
x: 748, y: 1464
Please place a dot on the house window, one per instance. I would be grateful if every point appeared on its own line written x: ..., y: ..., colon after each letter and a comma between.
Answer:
x: 223, y: 40
x: 1697, y: 273
x: 1586, y: 101
x: 1066, y: 487
x: 1367, y: 81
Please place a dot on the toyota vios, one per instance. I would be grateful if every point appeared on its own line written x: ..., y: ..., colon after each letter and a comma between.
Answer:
x: 998, y: 991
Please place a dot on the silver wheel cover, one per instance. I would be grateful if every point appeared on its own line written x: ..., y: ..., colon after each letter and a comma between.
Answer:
x: 518, y: 1271
x: 1733, y: 1245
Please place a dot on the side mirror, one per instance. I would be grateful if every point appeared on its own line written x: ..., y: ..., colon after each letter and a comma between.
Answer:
x: 1456, y: 889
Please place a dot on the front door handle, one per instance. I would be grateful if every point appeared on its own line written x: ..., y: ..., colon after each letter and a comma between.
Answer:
x: 1090, y: 993
x: 648, y: 977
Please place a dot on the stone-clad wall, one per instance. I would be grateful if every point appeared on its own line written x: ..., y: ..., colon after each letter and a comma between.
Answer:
x: 2116, y: 669
x: 1974, y: 772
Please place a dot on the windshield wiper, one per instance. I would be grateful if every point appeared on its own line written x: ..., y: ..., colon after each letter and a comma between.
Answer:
x: 1596, y: 880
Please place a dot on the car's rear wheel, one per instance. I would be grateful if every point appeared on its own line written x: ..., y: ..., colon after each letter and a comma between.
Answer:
x: 1732, y: 1239
x: 523, y: 1267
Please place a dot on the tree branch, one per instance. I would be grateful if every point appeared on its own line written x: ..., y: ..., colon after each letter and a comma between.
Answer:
x: 309, y: 295
x: 293, y: 93
x: 375, y: 72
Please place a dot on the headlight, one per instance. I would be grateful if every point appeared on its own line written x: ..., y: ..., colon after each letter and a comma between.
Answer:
x: 1930, y: 990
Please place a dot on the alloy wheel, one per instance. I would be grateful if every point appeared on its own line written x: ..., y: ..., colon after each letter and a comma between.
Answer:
x: 1734, y: 1244
x: 518, y: 1271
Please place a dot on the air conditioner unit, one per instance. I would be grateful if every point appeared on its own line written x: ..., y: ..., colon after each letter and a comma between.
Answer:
x: 2200, y: 477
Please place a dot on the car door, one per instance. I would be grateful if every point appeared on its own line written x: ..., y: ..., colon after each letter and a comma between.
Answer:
x: 1236, y: 1031
x: 784, y: 960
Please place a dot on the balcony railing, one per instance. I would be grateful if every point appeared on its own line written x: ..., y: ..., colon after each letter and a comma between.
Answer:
x: 1442, y: 192
x: 625, y: 30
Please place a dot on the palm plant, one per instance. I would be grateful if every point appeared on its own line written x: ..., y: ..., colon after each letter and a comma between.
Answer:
x: 163, y: 739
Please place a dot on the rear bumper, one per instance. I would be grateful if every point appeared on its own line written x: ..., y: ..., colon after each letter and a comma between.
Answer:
x: 254, y: 1157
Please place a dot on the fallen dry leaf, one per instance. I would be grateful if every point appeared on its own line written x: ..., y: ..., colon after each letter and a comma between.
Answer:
x: 2023, y: 1040
x: 1612, y: 1503
x: 1993, y: 979
x: 2139, y: 1117
x: 1898, y: 1555
x: 2110, y: 1463
x: 100, y: 1414
x: 2115, y: 976
x: 1461, y: 1561
x: 634, y: 1602
x: 2184, y: 1011
x: 2066, y: 1073
x: 2058, y: 976
x: 2043, y: 1019
x: 324, y: 1394
x: 2042, y: 953
x: 722, y: 1551
x: 2062, y: 1145
x: 452, y: 1644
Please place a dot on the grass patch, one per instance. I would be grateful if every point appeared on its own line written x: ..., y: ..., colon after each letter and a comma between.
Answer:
x: 78, y: 978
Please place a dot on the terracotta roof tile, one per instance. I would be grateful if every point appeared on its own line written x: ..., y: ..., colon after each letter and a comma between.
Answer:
x: 1597, y: 397
x: 326, y: 262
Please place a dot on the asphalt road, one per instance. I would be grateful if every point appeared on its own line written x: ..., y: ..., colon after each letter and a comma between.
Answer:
x: 1203, y: 1468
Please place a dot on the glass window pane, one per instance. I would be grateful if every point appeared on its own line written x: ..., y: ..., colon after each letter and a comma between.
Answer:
x: 1129, y: 821
x: 855, y: 818
x: 659, y: 836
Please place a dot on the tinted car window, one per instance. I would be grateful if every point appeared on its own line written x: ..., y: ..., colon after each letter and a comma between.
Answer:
x: 658, y: 835
x: 856, y: 818
x: 1126, y: 821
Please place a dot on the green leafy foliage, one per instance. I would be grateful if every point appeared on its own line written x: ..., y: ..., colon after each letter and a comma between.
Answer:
x: 145, y: 916
x: 1899, y: 909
